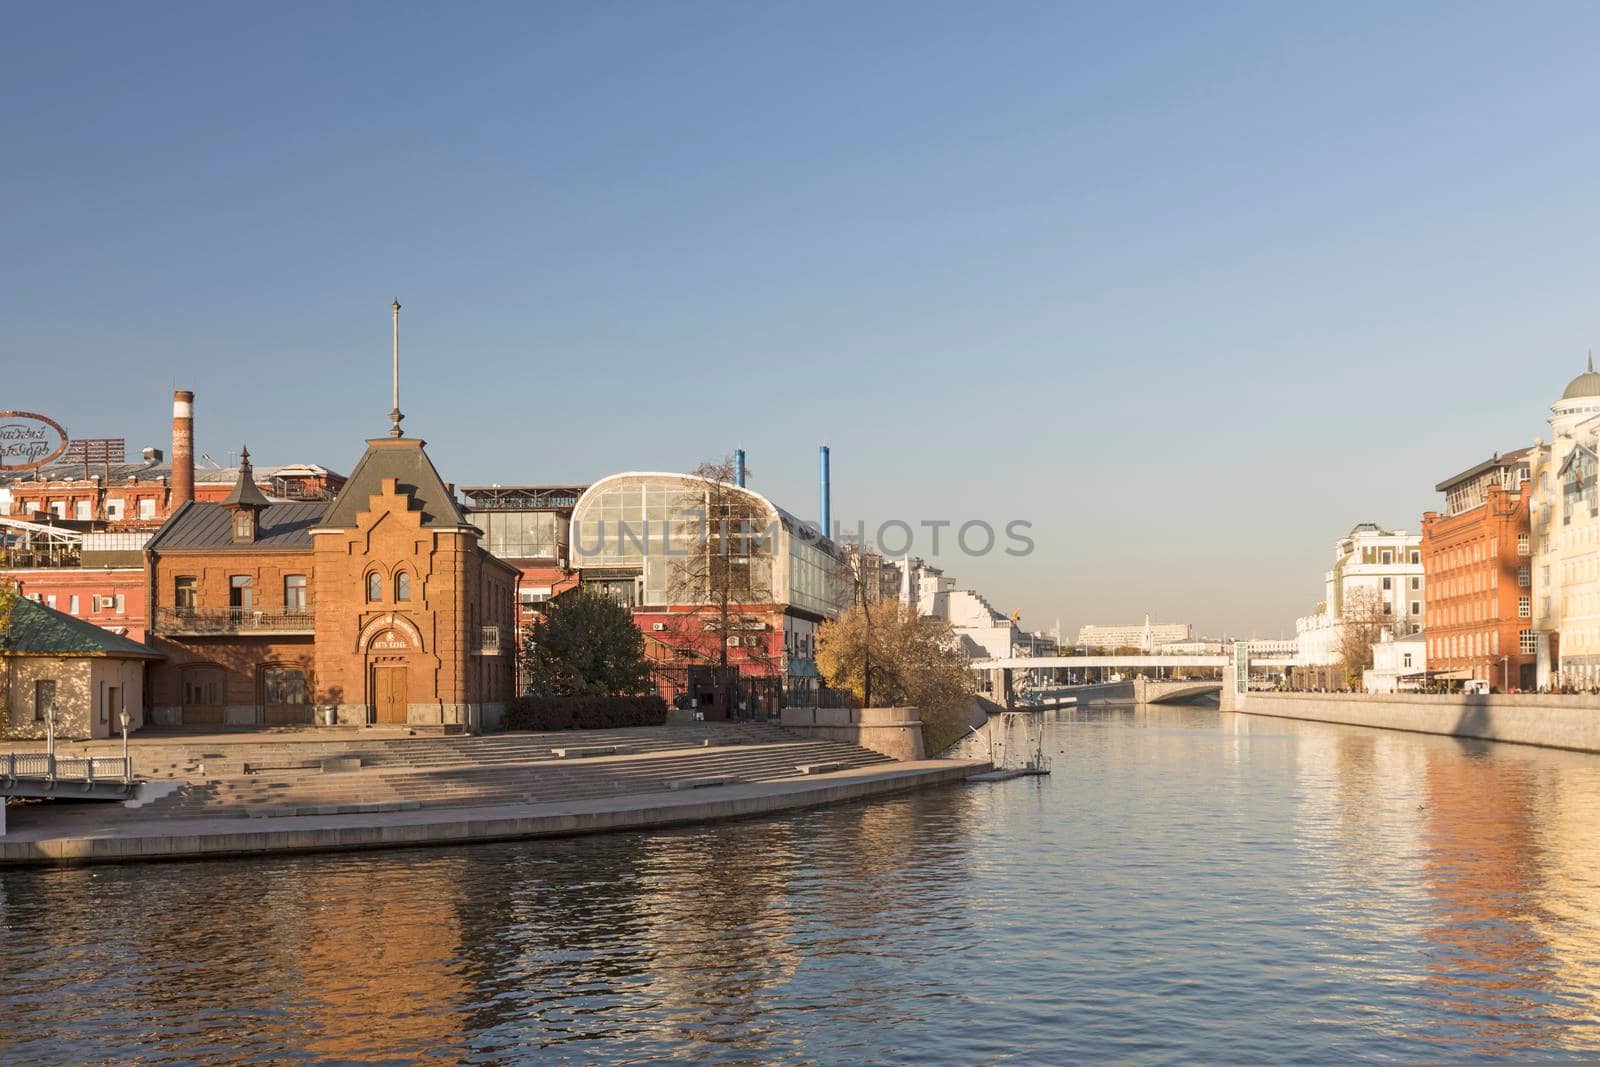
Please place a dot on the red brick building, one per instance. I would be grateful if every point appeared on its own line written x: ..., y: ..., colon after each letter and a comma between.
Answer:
x: 144, y: 494
x: 110, y: 597
x: 72, y: 535
x: 1476, y: 567
x: 379, y: 607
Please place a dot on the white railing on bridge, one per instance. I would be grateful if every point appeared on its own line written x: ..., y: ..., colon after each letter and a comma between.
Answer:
x: 86, y: 769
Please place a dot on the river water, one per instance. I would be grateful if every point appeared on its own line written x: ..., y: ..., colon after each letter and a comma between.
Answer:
x: 1186, y: 886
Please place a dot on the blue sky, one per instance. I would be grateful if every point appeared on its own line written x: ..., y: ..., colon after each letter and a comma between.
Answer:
x: 1191, y: 288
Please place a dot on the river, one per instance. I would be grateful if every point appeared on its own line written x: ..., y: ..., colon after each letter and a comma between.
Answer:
x: 1185, y: 886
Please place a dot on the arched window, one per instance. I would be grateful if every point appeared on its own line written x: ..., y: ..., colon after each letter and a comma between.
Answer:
x: 374, y: 587
x: 402, y: 586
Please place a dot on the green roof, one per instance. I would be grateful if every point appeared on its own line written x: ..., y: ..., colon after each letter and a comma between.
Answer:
x: 40, y: 631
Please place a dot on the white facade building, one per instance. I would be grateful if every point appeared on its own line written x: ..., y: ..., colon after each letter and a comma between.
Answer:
x: 983, y: 631
x: 1146, y: 636
x: 1564, y: 523
x: 1374, y: 570
x: 1398, y: 664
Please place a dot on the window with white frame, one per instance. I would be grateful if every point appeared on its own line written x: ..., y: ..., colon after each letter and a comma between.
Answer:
x: 1527, y: 643
x: 1524, y: 607
x: 147, y: 508
x: 114, y: 508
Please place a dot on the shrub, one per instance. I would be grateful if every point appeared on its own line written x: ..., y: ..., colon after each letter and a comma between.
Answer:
x: 584, y: 713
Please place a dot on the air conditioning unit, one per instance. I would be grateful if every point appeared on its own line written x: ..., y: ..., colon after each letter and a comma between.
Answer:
x: 658, y: 626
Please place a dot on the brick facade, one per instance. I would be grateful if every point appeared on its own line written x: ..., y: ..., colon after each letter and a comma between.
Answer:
x: 1476, y: 566
x: 404, y: 618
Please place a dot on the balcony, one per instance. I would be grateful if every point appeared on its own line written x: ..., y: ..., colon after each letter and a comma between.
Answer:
x: 218, y: 622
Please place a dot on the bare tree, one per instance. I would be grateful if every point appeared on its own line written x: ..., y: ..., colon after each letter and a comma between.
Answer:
x: 1362, y: 624
x: 728, y: 543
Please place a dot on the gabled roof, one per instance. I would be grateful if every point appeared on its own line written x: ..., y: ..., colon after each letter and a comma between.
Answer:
x: 1579, y: 450
x: 404, y: 460
x: 40, y: 631
x: 208, y: 526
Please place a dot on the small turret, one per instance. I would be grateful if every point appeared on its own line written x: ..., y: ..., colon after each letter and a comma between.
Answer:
x: 246, y: 502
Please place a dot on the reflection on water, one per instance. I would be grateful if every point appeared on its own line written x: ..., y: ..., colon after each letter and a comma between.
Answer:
x: 1185, y: 886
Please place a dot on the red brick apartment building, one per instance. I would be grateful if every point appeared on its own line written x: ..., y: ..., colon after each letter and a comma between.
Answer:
x: 1476, y: 561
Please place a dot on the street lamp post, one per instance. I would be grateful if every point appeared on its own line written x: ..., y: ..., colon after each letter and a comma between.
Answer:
x: 50, y: 740
x: 1505, y: 674
x: 127, y: 764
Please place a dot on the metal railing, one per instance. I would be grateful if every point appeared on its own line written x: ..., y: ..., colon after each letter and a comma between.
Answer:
x: 52, y: 768
x: 231, y: 621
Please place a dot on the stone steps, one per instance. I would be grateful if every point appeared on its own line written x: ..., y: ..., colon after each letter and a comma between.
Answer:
x: 177, y: 760
x: 544, y: 781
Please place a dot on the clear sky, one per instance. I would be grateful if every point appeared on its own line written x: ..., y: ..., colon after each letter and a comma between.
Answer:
x: 1192, y: 287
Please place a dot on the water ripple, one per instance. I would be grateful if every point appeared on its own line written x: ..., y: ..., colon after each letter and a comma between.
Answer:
x: 1186, y: 886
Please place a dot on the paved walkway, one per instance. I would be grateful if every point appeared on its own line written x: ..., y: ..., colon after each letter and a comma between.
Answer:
x: 38, y: 835
x: 234, y: 792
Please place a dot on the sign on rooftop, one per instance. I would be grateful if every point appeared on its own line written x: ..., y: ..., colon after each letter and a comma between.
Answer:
x: 96, y: 450
x: 28, y: 440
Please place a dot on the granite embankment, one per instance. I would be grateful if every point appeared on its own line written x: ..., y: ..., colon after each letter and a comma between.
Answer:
x: 250, y: 795
x: 1548, y: 720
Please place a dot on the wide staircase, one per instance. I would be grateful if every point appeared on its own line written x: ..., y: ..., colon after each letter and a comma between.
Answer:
x: 316, y: 777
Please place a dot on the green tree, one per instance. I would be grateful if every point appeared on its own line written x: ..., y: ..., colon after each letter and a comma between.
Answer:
x: 585, y: 644
x: 915, y: 663
x: 8, y: 603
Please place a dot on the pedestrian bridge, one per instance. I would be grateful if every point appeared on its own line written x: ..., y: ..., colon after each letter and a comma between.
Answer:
x: 1046, y: 663
x: 43, y: 774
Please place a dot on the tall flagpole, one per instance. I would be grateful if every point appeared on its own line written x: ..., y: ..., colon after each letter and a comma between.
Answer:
x: 394, y: 413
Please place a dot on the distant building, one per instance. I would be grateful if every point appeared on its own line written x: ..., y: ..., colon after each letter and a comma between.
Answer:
x: 1477, y: 568
x: 72, y: 535
x: 1564, y: 528
x: 529, y: 527
x: 1399, y: 664
x: 1376, y: 577
x: 1146, y: 636
x: 631, y: 536
x: 983, y: 632
x: 142, y: 495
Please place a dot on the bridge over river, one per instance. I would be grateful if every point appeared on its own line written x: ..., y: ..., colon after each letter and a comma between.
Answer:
x: 1151, y: 682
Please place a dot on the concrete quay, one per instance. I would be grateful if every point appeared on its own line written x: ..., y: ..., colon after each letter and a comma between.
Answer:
x: 38, y: 838
x: 1546, y: 720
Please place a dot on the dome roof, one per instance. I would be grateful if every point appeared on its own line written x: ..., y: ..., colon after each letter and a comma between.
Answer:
x: 1584, y: 385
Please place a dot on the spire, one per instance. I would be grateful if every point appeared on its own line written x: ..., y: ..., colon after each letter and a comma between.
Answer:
x: 245, y: 501
x: 1591, y: 361
x: 394, y: 412
x: 244, y: 492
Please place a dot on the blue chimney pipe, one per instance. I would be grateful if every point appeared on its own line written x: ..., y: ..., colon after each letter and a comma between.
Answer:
x: 738, y: 467
x: 827, y: 493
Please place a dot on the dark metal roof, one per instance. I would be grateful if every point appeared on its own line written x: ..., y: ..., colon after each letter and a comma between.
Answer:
x: 210, y: 526
x: 1517, y: 458
x: 40, y: 631
x: 404, y: 460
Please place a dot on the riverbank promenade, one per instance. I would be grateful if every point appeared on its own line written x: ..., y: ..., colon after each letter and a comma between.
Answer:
x: 237, y: 794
